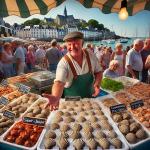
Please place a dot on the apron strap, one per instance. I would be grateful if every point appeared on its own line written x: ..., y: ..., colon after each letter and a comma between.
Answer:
x: 71, y: 66
x: 88, y: 61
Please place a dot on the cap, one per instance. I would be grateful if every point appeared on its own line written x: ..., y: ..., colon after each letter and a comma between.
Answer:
x: 73, y: 35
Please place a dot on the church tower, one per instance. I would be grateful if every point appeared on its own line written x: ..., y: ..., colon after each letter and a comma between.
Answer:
x: 65, y: 12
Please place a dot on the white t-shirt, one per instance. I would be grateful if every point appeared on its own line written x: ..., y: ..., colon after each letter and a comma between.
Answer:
x: 64, y: 73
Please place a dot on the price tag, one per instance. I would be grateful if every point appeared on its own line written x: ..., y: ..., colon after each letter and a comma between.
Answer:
x: 4, y: 100
x: 34, y: 121
x: 24, y: 88
x: 72, y: 98
x: 9, y: 114
x: 136, y: 104
x: 4, y: 82
x: 118, y: 108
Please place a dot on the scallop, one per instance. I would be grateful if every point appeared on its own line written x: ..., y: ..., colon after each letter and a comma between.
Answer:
x: 116, y: 143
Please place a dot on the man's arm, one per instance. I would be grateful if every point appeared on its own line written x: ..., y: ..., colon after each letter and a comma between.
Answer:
x: 97, y: 82
x: 131, y: 71
x: 57, y: 89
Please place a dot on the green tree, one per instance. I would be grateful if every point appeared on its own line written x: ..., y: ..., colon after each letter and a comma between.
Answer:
x: 32, y: 22
x: 93, y: 23
x: 100, y: 27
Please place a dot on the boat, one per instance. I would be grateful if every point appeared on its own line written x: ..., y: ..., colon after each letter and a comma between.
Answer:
x: 111, y: 41
x: 123, y: 40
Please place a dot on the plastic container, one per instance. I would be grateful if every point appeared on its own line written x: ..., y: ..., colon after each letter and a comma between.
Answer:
x: 16, y: 145
x: 119, y: 135
x: 107, y: 112
x: 127, y: 81
x: 43, y: 78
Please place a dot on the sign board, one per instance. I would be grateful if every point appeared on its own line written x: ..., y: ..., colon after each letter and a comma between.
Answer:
x: 34, y: 121
x: 72, y: 98
x: 9, y: 114
x: 136, y: 104
x: 23, y: 88
x: 4, y: 82
x: 4, y: 100
x: 118, y: 108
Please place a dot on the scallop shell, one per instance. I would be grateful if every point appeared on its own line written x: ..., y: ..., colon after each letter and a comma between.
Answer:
x: 87, y: 135
x: 96, y: 125
x: 64, y: 135
x: 91, y: 143
x: 112, y: 134
x: 103, y: 142
x: 140, y: 134
x: 124, y: 129
x: 50, y: 134
x: 131, y: 137
x: 67, y: 114
x: 81, y: 119
x: 99, y: 134
x: 117, y: 118
x: 93, y: 119
x: 54, y: 126
x: 76, y: 127
x: 64, y: 127
x: 49, y: 143
x: 116, y: 143
x: 78, y: 144
x: 63, y: 143
x: 69, y: 120
x: 75, y: 135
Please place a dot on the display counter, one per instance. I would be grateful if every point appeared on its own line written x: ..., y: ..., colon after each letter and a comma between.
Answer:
x: 115, y: 120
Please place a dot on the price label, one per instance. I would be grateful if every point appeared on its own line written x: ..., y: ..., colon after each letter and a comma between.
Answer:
x: 4, y: 100
x: 34, y: 121
x: 9, y: 114
x: 118, y: 108
x: 72, y: 98
x: 136, y: 104
x: 4, y: 82
x: 24, y: 88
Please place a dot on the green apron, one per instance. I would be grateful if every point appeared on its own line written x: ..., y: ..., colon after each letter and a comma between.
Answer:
x: 82, y: 85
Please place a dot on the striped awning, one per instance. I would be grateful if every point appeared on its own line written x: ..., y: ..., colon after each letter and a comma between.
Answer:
x: 26, y: 8
x: 113, y: 6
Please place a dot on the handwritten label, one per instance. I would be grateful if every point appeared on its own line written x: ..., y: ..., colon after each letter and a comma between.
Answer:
x: 9, y: 114
x: 72, y: 98
x: 4, y: 100
x: 35, y: 121
x: 136, y: 104
x: 4, y: 82
x: 24, y: 88
x: 118, y: 108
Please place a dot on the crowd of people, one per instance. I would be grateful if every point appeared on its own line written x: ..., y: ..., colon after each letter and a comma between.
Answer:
x: 17, y: 58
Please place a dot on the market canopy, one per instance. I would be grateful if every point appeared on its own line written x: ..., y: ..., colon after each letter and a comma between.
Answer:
x: 26, y: 8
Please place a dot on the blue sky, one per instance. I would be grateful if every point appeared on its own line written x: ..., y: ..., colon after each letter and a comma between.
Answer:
x: 139, y: 23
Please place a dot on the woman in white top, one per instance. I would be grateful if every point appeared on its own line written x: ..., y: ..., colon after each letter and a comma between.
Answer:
x: 7, y: 60
x: 119, y: 55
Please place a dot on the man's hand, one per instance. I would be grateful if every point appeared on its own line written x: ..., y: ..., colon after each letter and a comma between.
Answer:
x: 96, y: 91
x: 53, y: 101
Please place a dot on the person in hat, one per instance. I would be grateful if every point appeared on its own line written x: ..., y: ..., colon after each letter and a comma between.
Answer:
x: 53, y: 56
x: 78, y: 72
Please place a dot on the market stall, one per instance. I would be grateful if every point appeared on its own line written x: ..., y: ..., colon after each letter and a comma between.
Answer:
x: 119, y: 120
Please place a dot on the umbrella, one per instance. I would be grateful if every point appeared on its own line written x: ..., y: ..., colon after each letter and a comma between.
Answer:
x: 113, y: 6
x: 25, y: 8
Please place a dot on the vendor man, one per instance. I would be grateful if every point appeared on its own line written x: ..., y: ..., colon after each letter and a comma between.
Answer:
x: 78, y: 72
